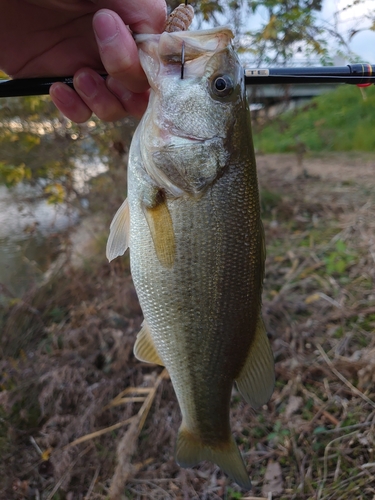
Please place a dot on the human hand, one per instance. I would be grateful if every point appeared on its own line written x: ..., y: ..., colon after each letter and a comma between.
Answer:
x: 81, y: 37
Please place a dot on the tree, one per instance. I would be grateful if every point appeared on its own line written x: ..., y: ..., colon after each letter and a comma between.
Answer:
x: 291, y: 27
x: 286, y: 27
x: 41, y: 148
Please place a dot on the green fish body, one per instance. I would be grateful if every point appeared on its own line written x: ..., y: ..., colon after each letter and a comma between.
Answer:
x: 192, y: 223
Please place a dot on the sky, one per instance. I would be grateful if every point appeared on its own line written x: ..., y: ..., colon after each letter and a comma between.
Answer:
x: 362, y: 43
x: 333, y: 14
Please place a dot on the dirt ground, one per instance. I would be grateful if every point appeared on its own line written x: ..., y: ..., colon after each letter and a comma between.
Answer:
x: 334, y: 167
x: 80, y: 417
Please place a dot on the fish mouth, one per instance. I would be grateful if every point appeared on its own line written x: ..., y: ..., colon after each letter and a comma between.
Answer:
x: 175, y: 137
x: 176, y: 141
x: 161, y: 55
x: 169, y: 45
x: 186, y: 139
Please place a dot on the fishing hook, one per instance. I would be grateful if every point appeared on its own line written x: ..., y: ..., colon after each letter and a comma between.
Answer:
x: 182, y: 59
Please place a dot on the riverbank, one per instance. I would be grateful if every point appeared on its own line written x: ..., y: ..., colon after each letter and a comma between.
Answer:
x: 67, y: 356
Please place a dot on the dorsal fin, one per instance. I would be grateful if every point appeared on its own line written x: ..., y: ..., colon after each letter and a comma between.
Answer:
x: 118, y: 240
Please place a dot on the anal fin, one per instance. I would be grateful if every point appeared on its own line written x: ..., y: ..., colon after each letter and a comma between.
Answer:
x: 159, y: 221
x: 257, y: 378
x: 190, y: 450
x: 144, y: 348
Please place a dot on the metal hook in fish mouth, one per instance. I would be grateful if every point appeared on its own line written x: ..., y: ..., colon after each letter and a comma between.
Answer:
x: 182, y: 60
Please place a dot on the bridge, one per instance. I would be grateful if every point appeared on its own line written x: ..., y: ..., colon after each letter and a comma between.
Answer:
x: 290, y: 95
x: 295, y: 94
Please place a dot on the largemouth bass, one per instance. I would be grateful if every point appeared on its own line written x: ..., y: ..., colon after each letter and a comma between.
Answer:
x: 192, y: 222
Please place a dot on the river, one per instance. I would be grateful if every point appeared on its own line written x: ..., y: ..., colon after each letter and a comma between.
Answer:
x: 28, y: 238
x: 30, y: 231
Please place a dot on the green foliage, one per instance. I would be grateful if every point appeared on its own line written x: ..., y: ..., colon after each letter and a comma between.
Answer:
x: 231, y: 494
x: 319, y: 430
x: 269, y: 200
x: 209, y: 8
x: 339, y: 259
x: 340, y: 120
x: 36, y: 144
x: 11, y: 175
x: 41, y: 148
x: 278, y: 434
x: 290, y: 26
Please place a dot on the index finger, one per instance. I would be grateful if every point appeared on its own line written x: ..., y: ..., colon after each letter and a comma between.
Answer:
x: 142, y: 16
x: 118, y: 50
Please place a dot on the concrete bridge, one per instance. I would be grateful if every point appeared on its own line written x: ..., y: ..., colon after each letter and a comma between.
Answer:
x: 287, y: 95
x: 290, y: 94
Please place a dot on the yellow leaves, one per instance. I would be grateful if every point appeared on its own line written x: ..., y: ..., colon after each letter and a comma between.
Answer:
x: 46, y: 454
x: 31, y: 141
x: 56, y: 193
x: 24, y: 141
x: 317, y: 46
x: 14, y: 301
x: 312, y: 298
x: 35, y: 103
x: 12, y: 175
x: 270, y: 30
x: 208, y: 8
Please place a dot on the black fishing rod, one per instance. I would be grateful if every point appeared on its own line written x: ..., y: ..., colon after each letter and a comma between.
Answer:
x: 357, y: 74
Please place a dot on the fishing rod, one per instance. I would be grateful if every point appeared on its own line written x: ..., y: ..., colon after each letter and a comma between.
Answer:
x: 356, y: 74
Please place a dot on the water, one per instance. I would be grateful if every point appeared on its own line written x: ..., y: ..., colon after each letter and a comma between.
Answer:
x: 28, y: 238
x: 30, y: 229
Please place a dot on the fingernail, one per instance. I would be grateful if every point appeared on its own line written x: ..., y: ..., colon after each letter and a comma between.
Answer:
x: 105, y: 26
x: 61, y: 93
x: 119, y: 89
x: 87, y: 85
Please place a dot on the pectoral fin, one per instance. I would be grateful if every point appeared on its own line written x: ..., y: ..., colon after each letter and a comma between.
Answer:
x: 257, y: 378
x: 118, y: 240
x: 144, y: 348
x: 190, y: 450
x: 161, y: 228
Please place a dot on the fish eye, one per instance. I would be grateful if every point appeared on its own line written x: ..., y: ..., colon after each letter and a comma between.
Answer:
x: 222, y: 85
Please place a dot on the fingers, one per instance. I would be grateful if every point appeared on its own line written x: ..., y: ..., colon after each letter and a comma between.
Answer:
x: 126, y: 88
x: 118, y: 50
x: 133, y: 102
x: 110, y: 100
x: 142, y: 16
x: 69, y: 103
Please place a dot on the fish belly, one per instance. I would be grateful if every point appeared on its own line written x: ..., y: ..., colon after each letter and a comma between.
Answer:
x: 202, y: 311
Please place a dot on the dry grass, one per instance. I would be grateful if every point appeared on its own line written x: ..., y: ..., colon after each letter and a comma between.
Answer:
x: 315, y: 440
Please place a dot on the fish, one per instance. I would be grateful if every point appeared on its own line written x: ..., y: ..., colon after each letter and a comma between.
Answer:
x: 197, y: 254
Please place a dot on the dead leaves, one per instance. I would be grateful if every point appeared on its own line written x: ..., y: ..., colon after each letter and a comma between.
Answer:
x: 273, y: 480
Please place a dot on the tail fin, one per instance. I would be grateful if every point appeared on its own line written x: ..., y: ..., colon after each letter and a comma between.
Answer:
x: 190, y: 451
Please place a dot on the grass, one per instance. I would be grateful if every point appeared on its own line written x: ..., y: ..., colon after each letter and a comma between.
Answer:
x: 340, y: 120
x: 66, y: 381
